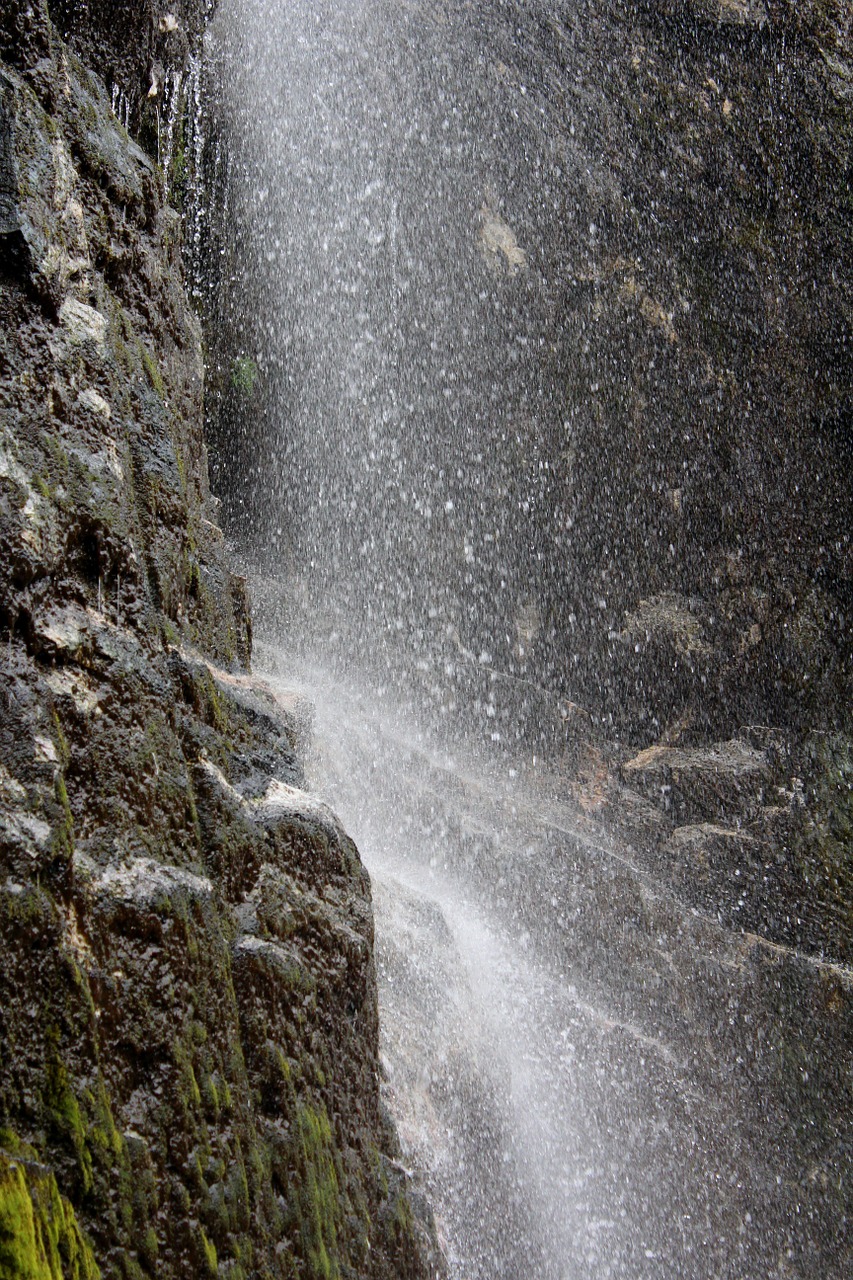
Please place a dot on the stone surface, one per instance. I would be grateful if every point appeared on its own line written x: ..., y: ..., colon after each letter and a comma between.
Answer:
x: 754, y: 832
x: 727, y: 778
x: 659, y: 433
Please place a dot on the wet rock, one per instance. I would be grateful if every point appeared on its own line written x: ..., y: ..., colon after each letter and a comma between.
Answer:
x: 738, y: 12
x: 41, y: 1236
x: 498, y: 242
x: 753, y: 832
x: 720, y: 870
x: 723, y: 780
x: 31, y: 172
x: 671, y: 616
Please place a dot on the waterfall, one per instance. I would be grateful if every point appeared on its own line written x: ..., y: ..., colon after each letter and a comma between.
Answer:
x: 173, y: 84
x: 593, y: 1072
x: 120, y: 105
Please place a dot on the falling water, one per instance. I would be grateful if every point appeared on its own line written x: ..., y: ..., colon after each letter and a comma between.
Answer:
x: 173, y: 110
x: 592, y: 1078
x: 120, y: 105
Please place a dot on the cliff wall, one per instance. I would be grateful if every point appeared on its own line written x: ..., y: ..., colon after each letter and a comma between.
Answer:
x: 188, y: 1017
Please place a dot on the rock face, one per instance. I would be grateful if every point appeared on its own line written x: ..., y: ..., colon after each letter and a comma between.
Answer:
x: 188, y: 1020
x: 710, y: 414
x: 728, y: 653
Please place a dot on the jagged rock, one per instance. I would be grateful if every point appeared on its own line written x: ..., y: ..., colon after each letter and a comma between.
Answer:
x: 751, y: 13
x: 720, y: 869
x: 737, y: 13
x: 671, y: 616
x: 700, y: 783
x: 755, y: 831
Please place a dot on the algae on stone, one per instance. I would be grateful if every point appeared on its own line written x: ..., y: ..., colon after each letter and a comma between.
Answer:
x: 40, y: 1238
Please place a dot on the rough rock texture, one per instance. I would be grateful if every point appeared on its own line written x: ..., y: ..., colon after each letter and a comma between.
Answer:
x: 749, y: 831
x: 712, y: 1081
x: 703, y: 355
x: 188, y: 1021
x: 133, y: 44
x: 717, y: 398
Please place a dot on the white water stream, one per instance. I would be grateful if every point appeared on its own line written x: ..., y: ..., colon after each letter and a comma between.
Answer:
x: 575, y: 1061
x: 593, y: 1079
x: 479, y: 1034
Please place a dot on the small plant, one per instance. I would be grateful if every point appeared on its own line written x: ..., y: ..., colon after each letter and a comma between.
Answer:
x: 244, y: 375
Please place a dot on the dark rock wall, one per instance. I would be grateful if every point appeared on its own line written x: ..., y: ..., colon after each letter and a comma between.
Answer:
x: 703, y: 353
x: 132, y: 43
x: 709, y: 503
x: 712, y: 427
x: 188, y: 1020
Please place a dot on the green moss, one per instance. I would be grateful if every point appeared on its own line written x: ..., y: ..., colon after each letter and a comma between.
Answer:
x: 149, y: 1247
x: 188, y: 1090
x: 299, y: 980
x: 152, y: 369
x: 124, y: 355
x: 63, y: 1112
x: 211, y: 1096
x: 39, y: 1235
x: 27, y: 909
x: 210, y: 1255
x: 61, y: 741
x: 62, y: 842
x: 197, y: 1174
x: 103, y: 1133
x: 125, y: 322
x: 402, y: 1215
x: 318, y: 1199
x: 22, y: 1252
x: 210, y: 704
x: 11, y: 1145
x: 171, y: 635
x: 284, y: 1068
x: 131, y: 1268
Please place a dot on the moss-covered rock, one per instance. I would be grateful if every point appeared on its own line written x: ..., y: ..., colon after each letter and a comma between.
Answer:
x: 40, y: 1238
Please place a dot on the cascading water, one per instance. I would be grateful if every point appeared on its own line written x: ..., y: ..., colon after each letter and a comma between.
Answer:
x: 594, y: 1079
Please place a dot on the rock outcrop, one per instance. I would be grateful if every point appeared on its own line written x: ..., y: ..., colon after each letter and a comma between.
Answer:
x: 188, y: 1018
